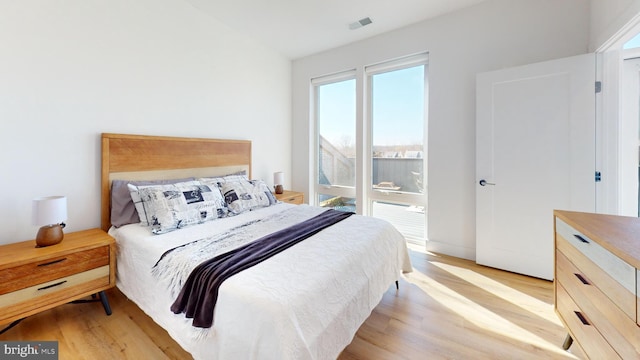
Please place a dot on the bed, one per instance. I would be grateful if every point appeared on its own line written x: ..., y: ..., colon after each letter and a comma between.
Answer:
x: 305, y: 302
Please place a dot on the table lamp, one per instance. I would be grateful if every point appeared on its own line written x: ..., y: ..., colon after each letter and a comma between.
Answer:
x: 278, y: 179
x: 49, y: 213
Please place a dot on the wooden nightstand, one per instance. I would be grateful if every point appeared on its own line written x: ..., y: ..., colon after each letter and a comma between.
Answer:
x: 291, y: 197
x: 37, y: 279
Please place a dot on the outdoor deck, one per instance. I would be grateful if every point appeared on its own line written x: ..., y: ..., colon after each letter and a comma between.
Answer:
x: 409, y: 220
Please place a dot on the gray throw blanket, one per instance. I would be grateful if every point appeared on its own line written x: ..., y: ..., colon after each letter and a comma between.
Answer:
x: 199, y: 294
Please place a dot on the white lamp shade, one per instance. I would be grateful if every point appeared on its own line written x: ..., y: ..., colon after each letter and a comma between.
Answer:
x: 49, y: 210
x: 278, y: 178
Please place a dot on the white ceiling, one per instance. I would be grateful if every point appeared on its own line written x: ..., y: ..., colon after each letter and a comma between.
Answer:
x: 297, y: 28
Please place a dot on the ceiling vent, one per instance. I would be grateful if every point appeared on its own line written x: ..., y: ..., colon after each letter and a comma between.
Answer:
x: 360, y: 23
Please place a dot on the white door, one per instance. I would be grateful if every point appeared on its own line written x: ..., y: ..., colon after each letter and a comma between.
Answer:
x: 535, y: 151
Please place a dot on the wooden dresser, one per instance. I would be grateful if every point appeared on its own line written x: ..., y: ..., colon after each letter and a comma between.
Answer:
x: 597, y: 258
x: 36, y: 279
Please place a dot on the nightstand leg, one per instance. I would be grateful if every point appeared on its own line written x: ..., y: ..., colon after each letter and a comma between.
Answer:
x: 105, y: 302
x: 10, y: 326
x: 567, y: 342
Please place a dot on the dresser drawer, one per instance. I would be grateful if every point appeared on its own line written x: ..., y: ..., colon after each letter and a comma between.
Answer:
x: 32, y: 297
x: 620, y: 330
x: 615, y: 267
x: 24, y: 276
x: 619, y: 295
x: 581, y: 327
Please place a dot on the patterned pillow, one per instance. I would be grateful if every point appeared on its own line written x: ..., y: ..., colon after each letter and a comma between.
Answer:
x: 171, y: 207
x: 123, y: 210
x: 134, y: 192
x: 243, y: 195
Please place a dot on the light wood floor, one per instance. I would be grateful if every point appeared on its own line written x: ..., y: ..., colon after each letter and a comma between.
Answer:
x: 447, y: 308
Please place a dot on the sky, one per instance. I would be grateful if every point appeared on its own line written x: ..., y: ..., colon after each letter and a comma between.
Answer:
x: 633, y: 43
x: 398, y: 108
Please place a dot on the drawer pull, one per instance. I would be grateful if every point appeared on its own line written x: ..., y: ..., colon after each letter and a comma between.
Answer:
x: 52, y: 285
x: 582, y: 279
x: 53, y: 262
x: 582, y: 318
x: 581, y: 238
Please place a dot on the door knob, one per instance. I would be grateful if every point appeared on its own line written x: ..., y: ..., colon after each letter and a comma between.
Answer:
x: 484, y: 182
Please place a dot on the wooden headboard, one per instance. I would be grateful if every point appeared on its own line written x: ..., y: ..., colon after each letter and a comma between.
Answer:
x: 141, y: 157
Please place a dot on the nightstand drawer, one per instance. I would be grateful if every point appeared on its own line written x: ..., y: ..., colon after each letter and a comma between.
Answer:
x: 34, y: 279
x: 291, y: 197
x: 35, y: 296
x: 28, y: 275
x: 297, y: 199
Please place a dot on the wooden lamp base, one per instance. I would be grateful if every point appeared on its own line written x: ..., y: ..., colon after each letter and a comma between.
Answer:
x: 279, y: 189
x: 49, y: 235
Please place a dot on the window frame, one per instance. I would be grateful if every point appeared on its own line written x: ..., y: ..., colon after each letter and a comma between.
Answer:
x: 372, y: 195
x: 333, y: 190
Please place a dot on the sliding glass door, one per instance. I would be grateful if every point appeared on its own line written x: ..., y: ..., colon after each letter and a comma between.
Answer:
x: 371, y: 131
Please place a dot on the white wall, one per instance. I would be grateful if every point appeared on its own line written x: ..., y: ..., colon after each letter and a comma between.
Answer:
x: 608, y: 17
x: 72, y: 69
x: 489, y: 36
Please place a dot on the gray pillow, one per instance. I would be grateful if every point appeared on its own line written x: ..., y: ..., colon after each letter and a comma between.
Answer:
x: 123, y: 211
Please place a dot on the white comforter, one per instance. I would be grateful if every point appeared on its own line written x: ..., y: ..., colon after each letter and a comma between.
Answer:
x: 304, y: 303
